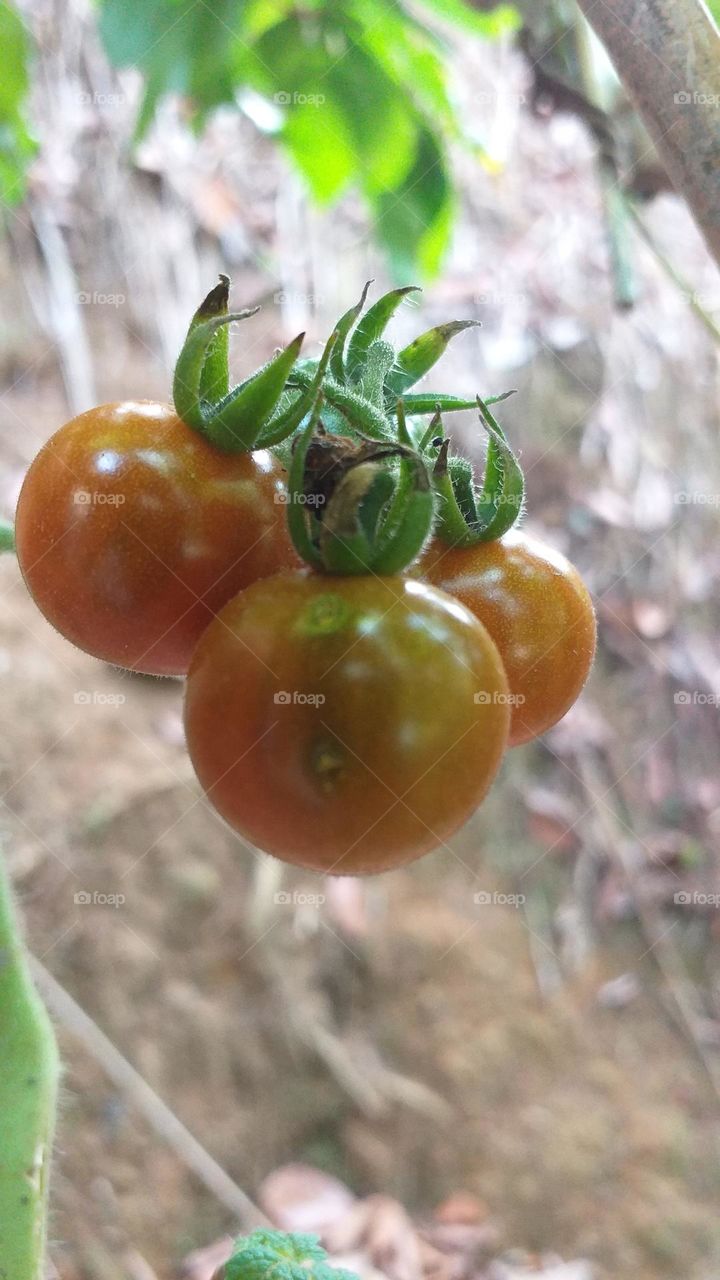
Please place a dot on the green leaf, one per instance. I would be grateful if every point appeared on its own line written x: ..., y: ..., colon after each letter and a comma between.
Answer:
x: 187, y: 50
x: 492, y: 24
x: 411, y: 53
x: 17, y: 147
x: 414, y: 221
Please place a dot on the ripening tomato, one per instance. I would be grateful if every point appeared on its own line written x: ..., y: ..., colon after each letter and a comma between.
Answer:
x: 132, y: 532
x: 539, y: 613
x: 347, y: 725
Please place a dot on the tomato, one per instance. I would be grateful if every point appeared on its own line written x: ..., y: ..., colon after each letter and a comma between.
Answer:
x: 347, y: 725
x: 132, y: 531
x: 539, y: 613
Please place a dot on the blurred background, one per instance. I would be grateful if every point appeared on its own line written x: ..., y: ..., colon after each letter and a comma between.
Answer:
x: 502, y: 1060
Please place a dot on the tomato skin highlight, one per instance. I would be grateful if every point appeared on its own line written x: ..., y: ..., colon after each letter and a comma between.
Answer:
x: 334, y: 722
x: 539, y: 613
x: 132, y: 532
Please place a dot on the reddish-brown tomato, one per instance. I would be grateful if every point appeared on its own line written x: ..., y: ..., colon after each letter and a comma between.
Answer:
x: 346, y: 724
x: 132, y: 532
x: 539, y: 613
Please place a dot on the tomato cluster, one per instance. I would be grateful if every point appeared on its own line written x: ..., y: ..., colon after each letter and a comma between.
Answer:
x: 362, y: 630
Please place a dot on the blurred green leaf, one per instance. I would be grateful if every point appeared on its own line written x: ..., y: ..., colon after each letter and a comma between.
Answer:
x: 414, y: 222
x: 17, y: 147
x: 490, y: 24
x: 360, y: 87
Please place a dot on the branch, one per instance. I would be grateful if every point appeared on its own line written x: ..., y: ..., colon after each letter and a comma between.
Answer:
x: 667, y: 53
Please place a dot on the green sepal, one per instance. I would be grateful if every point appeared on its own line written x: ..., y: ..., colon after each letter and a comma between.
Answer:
x: 7, y: 536
x: 408, y: 524
x: 378, y: 363
x: 343, y: 327
x: 355, y: 409
x: 415, y: 360
x: 430, y: 401
x: 372, y: 326
x: 188, y: 377
x: 215, y: 374
x: 503, y: 485
x: 282, y: 425
x: 350, y: 521
x: 467, y: 515
x: 234, y: 423
x: 297, y: 507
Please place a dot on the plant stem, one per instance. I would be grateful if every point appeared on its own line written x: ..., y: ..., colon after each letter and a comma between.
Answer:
x: 672, y: 272
x: 29, y: 1069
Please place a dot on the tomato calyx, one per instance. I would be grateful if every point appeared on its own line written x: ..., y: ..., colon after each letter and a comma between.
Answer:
x: 469, y: 513
x: 357, y: 506
x: 233, y: 420
x: 366, y: 376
